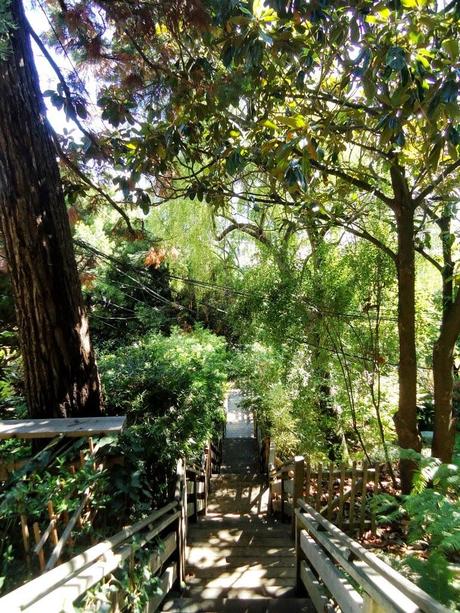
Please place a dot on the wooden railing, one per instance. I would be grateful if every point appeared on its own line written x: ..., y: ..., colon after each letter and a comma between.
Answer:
x: 336, y: 570
x: 59, y: 587
x: 340, y: 493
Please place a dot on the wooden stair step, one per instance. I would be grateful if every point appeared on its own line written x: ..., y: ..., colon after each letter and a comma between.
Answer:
x: 245, y: 526
x: 279, y: 589
x: 239, y: 605
x: 228, y: 572
x: 239, y: 561
x: 242, y: 540
x: 219, y: 586
x: 233, y: 550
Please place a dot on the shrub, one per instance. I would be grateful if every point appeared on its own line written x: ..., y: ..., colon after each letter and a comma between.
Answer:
x: 171, y: 390
x: 433, y: 513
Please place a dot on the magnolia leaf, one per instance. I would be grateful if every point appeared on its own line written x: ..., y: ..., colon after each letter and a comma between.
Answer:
x: 396, y: 58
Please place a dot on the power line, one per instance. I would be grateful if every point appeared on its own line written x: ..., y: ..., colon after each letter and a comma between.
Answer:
x: 224, y: 288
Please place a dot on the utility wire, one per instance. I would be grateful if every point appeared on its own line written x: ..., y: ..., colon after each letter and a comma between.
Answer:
x: 223, y: 288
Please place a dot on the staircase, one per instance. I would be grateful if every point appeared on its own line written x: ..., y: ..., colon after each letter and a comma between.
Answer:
x: 238, y: 558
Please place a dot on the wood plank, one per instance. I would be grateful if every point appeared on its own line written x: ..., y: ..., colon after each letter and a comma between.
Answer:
x: 167, y: 548
x: 330, y: 491
x: 343, y: 592
x: 307, y: 479
x: 376, y: 491
x: 413, y: 592
x: 50, y: 428
x: 62, y: 596
x: 378, y: 588
x: 351, y: 516
x: 319, y: 486
x: 39, y: 586
x: 362, y: 515
x: 314, y: 588
x: 167, y: 581
x: 341, y: 497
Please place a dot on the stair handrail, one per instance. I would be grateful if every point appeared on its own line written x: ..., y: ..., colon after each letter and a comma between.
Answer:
x: 326, y: 560
x: 61, y: 586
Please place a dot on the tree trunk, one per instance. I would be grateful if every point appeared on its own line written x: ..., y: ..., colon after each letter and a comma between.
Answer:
x: 61, y: 377
x: 443, y: 358
x: 444, y: 421
x: 406, y: 416
x: 330, y: 419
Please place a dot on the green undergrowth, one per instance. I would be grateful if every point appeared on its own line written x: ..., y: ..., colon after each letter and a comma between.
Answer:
x: 171, y: 389
x: 430, y: 515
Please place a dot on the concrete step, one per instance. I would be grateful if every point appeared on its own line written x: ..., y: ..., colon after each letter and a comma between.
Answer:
x: 240, y: 605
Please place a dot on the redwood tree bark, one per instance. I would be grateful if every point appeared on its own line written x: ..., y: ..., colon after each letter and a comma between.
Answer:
x: 61, y: 377
x: 406, y: 416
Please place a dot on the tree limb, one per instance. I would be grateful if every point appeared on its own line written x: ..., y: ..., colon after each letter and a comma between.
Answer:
x: 248, y: 228
x: 72, y: 112
x: 430, y: 188
x: 364, y: 185
x: 429, y: 258
x: 75, y: 169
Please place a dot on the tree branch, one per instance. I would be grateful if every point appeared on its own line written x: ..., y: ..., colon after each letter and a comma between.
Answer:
x: 75, y: 169
x: 429, y: 258
x: 360, y: 233
x: 430, y: 188
x: 248, y: 228
x: 364, y: 185
x: 72, y: 112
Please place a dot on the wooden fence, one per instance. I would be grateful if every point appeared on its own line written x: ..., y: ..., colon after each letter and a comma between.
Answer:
x: 337, y: 571
x: 48, y: 545
x: 340, y: 493
x: 59, y: 587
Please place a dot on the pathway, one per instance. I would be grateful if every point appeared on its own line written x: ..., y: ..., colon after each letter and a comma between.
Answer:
x: 238, y: 558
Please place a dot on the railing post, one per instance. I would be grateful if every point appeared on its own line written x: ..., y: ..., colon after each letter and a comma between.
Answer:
x: 298, y: 554
x: 299, y: 475
x: 181, y: 497
x: 282, y: 496
x: 195, y: 498
x: 270, y: 474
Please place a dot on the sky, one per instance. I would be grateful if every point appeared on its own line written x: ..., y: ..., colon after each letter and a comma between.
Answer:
x: 48, y: 79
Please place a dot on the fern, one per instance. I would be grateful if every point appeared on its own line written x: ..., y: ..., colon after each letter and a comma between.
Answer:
x: 433, y: 512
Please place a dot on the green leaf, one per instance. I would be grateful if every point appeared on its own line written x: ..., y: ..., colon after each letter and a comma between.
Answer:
x: 433, y: 157
x: 450, y: 46
x: 234, y: 162
x: 395, y: 58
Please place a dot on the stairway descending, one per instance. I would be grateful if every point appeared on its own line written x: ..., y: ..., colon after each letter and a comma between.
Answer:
x: 239, y: 559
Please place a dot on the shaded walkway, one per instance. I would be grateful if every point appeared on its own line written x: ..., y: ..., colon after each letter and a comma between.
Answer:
x: 238, y: 558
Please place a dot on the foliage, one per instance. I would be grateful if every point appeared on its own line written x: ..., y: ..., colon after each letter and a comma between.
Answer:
x: 259, y: 372
x: 433, y: 514
x: 133, y: 582
x: 171, y: 390
x: 6, y: 25
x: 128, y: 291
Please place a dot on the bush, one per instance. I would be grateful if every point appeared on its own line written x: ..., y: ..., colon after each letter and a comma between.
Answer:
x: 171, y: 390
x: 433, y: 513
